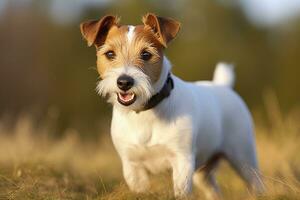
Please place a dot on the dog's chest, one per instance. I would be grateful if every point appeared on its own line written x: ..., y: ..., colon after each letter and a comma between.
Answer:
x: 141, y: 130
x: 147, y: 150
x: 155, y: 158
x: 143, y: 141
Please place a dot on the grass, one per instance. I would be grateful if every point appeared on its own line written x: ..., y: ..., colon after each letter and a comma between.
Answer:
x: 33, y: 165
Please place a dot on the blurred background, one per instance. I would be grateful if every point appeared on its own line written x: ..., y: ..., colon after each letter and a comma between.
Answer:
x: 54, y: 128
x: 47, y: 71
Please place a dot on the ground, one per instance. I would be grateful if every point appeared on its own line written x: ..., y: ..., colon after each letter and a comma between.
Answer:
x: 34, y: 165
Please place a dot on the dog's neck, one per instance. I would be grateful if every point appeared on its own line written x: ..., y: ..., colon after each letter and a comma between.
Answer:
x: 162, y: 87
x: 166, y: 69
x: 161, y: 95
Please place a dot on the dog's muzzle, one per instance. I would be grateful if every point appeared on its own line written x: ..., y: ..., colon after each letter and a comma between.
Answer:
x: 125, y: 83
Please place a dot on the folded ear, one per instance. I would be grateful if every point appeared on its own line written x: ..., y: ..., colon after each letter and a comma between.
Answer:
x: 95, y: 31
x: 165, y: 29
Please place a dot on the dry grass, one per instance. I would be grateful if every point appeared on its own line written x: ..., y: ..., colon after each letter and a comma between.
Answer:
x: 35, y: 166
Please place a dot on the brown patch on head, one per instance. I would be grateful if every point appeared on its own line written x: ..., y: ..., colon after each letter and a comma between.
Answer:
x: 128, y: 52
x: 165, y: 29
x: 152, y: 37
x: 95, y: 31
x: 145, y: 40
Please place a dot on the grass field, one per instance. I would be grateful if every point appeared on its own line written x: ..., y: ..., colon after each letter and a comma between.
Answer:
x: 34, y: 165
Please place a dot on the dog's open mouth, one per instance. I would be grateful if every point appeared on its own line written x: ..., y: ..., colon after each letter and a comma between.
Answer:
x: 126, y: 98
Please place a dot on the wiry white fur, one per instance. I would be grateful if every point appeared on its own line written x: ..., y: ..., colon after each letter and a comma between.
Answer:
x: 130, y: 33
x: 183, y: 132
x: 224, y: 74
x: 142, y: 87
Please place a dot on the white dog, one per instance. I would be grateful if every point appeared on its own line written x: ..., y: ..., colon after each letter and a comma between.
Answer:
x: 162, y: 122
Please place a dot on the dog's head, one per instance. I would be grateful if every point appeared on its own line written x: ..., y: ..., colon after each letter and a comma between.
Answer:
x: 129, y: 58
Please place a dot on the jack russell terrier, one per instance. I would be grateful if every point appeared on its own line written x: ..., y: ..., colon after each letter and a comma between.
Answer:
x: 162, y: 122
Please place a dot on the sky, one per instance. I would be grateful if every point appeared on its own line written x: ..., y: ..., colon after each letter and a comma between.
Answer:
x: 64, y: 11
x: 270, y: 12
x: 259, y: 12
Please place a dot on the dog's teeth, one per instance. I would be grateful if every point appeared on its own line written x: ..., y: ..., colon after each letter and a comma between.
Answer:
x: 131, y: 97
x: 127, y: 97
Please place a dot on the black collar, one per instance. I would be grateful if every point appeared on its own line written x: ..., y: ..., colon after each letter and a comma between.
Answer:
x: 161, y: 95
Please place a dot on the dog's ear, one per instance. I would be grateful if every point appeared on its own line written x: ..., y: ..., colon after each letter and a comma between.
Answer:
x: 95, y: 31
x: 165, y: 29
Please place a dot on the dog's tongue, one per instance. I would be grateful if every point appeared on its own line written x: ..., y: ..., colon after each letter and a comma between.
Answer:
x: 126, y: 96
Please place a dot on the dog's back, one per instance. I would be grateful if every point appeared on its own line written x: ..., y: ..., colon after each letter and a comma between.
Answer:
x: 232, y: 113
x: 236, y: 137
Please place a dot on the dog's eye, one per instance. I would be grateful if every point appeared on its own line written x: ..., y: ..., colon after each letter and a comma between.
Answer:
x: 145, y: 55
x: 110, y: 55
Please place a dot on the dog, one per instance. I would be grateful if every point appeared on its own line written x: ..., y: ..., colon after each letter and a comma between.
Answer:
x: 161, y: 122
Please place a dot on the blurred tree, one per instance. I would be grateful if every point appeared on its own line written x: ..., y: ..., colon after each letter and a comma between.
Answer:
x: 45, y: 64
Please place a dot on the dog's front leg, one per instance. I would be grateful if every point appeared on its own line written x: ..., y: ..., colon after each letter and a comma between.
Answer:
x: 135, y: 176
x: 183, y: 169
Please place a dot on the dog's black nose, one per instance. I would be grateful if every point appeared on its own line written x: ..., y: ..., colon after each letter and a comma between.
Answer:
x: 125, y: 82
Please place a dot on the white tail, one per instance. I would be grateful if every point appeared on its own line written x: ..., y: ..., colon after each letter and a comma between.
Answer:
x: 224, y: 74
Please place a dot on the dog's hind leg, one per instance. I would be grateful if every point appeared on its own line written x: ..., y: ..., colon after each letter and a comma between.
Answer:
x: 206, y: 183
x: 250, y: 174
x: 245, y: 164
x: 204, y: 179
